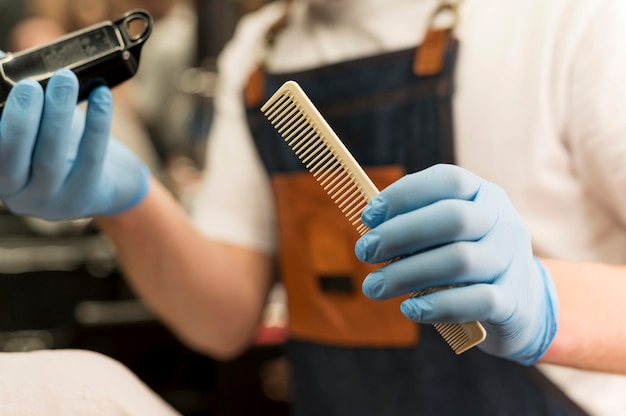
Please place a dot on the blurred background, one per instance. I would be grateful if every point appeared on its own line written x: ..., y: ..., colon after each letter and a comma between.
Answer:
x: 60, y: 286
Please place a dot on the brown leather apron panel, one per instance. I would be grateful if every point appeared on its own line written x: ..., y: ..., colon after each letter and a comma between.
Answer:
x: 322, y: 274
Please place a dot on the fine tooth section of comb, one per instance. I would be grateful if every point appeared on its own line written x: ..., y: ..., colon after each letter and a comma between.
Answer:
x: 455, y: 335
x: 322, y: 153
x: 459, y: 336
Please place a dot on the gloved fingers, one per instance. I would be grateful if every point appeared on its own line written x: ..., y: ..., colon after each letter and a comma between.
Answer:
x: 453, y: 264
x: 93, y: 146
x: 434, y: 225
x: 19, y: 126
x: 53, y: 157
x: 478, y: 302
x: 420, y: 189
x: 92, y: 150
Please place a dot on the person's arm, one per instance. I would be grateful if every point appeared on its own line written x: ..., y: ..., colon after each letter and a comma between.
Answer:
x: 210, y: 294
x: 57, y: 162
x: 446, y: 226
x: 591, y: 331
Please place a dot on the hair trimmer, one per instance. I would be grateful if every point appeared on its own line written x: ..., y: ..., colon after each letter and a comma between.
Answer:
x: 105, y: 53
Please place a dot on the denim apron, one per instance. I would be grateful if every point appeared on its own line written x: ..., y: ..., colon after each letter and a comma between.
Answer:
x: 387, y: 115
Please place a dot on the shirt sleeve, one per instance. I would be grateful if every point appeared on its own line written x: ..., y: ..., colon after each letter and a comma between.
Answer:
x: 596, y: 130
x: 234, y: 202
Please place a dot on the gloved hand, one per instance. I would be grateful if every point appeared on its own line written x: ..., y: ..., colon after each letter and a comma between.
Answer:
x: 58, y: 162
x: 457, y: 229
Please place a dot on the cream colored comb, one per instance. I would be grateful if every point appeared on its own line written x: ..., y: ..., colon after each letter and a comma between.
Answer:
x: 307, y: 133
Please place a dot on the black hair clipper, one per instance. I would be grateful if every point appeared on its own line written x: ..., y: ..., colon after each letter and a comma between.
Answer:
x: 106, y: 53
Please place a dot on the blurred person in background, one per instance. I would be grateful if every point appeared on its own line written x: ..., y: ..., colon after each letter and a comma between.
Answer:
x: 528, y: 102
x: 34, y: 31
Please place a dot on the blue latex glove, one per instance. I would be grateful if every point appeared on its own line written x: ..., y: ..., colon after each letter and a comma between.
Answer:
x: 58, y: 162
x: 464, y: 232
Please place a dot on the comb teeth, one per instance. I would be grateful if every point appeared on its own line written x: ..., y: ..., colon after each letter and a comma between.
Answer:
x: 320, y: 150
x: 459, y: 336
x: 456, y: 335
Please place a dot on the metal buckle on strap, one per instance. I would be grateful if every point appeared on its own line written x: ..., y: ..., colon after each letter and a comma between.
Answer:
x: 445, y: 8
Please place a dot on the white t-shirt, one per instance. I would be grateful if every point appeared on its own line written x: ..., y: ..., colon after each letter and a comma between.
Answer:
x: 539, y: 108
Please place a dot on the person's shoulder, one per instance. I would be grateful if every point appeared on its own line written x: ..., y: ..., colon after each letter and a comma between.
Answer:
x: 579, y: 15
x: 240, y: 54
x: 595, y: 22
x: 256, y: 23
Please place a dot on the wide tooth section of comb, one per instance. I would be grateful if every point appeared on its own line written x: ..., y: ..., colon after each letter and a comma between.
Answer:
x: 309, y: 146
x: 276, y: 108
